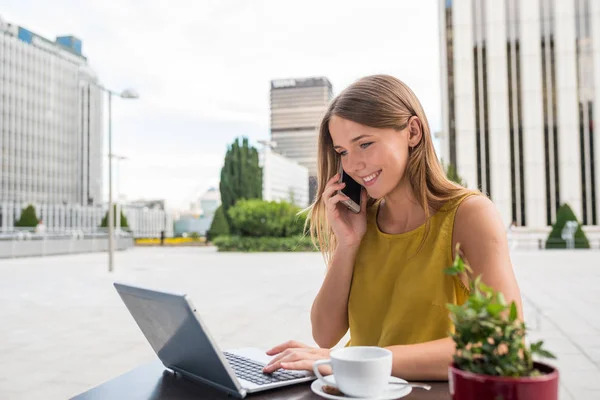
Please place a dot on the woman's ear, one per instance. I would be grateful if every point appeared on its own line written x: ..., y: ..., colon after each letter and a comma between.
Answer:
x: 415, y: 131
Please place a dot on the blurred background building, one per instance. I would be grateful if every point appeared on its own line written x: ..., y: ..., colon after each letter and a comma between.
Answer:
x: 209, y: 202
x: 520, y: 93
x: 297, y: 106
x: 148, y: 218
x: 50, y: 120
x: 283, y: 178
x: 51, y: 137
x: 200, y: 216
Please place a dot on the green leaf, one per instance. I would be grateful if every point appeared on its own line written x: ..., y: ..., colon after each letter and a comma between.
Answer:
x: 485, y: 288
x: 513, y: 312
x: 453, y: 308
x: 536, y: 348
x: 545, y: 353
x: 495, y: 309
x: 501, y: 299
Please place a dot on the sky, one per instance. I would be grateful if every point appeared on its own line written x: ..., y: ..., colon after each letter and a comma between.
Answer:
x: 203, y: 70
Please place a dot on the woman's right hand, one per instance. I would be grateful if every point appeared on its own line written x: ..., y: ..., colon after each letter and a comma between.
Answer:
x: 348, y: 227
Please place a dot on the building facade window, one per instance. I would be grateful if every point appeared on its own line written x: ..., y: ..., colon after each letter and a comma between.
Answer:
x: 482, y: 137
x: 585, y: 98
x: 515, y: 120
x: 549, y: 110
x: 450, y: 79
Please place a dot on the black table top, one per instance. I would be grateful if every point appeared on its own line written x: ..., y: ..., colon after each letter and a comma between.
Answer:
x: 153, y: 381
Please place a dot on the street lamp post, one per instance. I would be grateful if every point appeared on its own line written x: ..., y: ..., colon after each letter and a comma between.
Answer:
x: 125, y: 94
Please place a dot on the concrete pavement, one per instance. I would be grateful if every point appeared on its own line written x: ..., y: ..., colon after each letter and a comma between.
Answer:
x: 64, y: 329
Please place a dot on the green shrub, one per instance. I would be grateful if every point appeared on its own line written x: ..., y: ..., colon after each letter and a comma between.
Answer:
x: 104, y: 223
x: 259, y: 218
x: 28, y: 218
x: 219, y: 225
x: 555, y: 241
x: 263, y: 244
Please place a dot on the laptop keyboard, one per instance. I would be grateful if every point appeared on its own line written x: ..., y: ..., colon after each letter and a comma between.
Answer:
x: 250, y: 370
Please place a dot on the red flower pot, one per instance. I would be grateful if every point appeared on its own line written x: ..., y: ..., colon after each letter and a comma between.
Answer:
x: 469, y: 386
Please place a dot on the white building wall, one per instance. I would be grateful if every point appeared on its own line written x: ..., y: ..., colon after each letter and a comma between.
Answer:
x: 595, y: 27
x: 568, y: 113
x: 148, y: 223
x: 530, y: 32
x: 283, y: 178
x: 466, y: 156
x: 444, y: 136
x: 496, y: 34
x: 533, y: 126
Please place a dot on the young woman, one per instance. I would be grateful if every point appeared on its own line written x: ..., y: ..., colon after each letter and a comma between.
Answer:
x: 385, y: 278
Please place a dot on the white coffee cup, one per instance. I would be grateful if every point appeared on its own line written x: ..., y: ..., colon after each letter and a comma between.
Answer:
x: 361, y: 371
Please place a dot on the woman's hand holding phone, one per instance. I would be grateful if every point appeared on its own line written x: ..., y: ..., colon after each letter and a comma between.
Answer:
x: 348, y: 227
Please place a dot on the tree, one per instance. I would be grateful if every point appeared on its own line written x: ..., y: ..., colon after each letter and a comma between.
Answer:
x: 452, y: 174
x: 241, y: 175
x: 555, y: 240
x: 219, y: 225
x: 28, y: 218
x: 104, y: 223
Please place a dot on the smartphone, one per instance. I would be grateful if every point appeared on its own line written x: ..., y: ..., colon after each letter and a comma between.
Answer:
x: 352, y: 190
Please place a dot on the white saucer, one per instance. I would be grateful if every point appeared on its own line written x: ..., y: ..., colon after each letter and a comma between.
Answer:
x: 391, y: 393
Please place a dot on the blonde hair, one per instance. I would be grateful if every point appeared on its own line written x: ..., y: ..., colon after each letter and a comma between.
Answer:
x: 380, y: 101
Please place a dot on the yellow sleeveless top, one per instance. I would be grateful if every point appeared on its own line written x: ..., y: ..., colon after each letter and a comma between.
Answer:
x: 399, y: 296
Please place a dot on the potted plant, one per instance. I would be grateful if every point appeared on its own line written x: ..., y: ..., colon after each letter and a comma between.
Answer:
x: 492, y: 359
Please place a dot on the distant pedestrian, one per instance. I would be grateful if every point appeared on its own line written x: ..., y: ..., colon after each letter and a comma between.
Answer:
x: 162, y: 238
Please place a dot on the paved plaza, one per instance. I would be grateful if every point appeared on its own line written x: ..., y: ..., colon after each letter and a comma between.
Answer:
x: 63, y: 328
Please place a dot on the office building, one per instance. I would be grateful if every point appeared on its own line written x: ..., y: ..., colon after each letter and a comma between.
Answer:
x: 189, y: 224
x: 283, y: 178
x: 50, y: 120
x: 209, y: 202
x: 521, y: 92
x: 297, y: 106
x: 200, y: 216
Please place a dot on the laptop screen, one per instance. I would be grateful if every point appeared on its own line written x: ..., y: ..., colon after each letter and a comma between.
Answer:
x: 176, y: 334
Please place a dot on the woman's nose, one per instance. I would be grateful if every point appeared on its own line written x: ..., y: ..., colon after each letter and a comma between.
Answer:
x: 354, y: 163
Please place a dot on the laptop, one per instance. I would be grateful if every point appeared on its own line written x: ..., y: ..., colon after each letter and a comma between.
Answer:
x: 182, y: 342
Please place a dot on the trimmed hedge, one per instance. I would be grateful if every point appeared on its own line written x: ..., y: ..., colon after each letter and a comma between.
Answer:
x: 259, y: 218
x: 219, y: 225
x: 555, y: 240
x: 104, y: 222
x: 263, y: 244
x: 28, y: 218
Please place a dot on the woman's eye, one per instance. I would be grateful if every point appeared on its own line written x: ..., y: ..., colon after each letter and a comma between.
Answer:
x: 343, y: 153
x: 365, y: 145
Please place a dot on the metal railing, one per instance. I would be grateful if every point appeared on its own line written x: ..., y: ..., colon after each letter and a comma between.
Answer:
x: 540, y: 244
x: 76, y: 234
